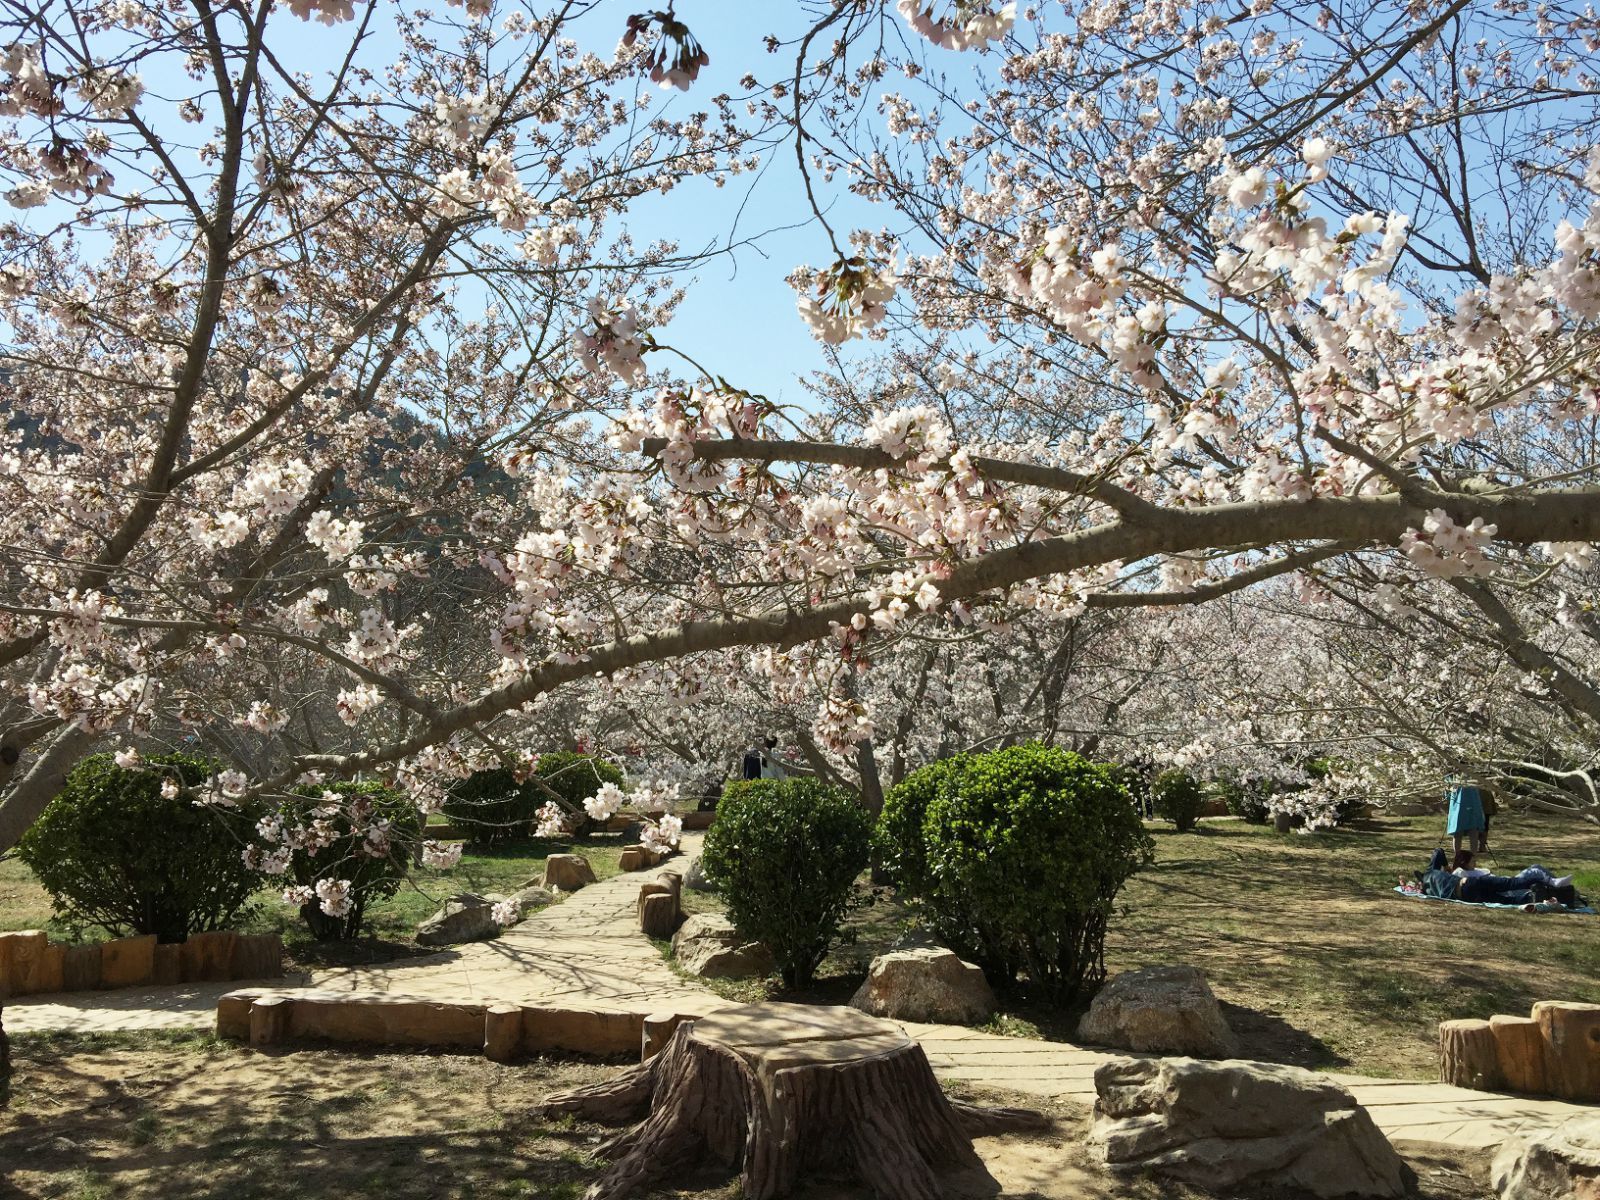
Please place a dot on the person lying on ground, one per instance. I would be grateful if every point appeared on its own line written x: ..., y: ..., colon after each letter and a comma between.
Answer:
x: 1530, y: 886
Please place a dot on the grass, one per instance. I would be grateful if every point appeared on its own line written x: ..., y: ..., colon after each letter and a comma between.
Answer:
x: 1317, y: 963
x: 1322, y: 963
x: 390, y: 924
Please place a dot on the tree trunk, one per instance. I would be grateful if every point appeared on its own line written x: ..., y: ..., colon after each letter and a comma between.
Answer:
x: 784, y: 1091
x: 5, y: 1061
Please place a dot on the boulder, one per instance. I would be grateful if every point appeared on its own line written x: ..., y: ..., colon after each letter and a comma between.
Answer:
x: 569, y: 872
x: 695, y: 877
x: 1230, y: 1125
x: 529, y: 899
x: 1159, y: 1010
x: 928, y: 984
x: 464, y: 918
x: 709, y: 947
x: 1557, y: 1164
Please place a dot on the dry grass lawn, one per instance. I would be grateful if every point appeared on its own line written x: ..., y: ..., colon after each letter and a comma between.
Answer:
x: 1318, y: 963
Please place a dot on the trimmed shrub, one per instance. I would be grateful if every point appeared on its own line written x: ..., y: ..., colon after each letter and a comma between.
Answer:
x: 492, y: 806
x: 900, y: 844
x: 573, y: 777
x: 1031, y: 844
x: 113, y: 851
x: 784, y: 853
x: 1178, y: 798
x: 1247, y: 800
x: 897, y: 839
x: 369, y: 838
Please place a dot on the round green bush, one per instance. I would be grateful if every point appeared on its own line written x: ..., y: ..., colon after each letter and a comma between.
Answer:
x: 492, y: 806
x: 1035, y: 842
x: 1246, y: 799
x: 1178, y: 798
x: 113, y: 851
x: 375, y: 867
x: 784, y: 854
x: 897, y: 839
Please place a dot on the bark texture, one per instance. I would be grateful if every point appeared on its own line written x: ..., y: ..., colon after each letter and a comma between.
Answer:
x: 783, y: 1091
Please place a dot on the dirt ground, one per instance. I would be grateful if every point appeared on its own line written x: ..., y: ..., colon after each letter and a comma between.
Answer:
x: 157, y: 1118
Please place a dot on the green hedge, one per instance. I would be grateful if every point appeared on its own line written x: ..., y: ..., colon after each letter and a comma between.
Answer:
x: 113, y: 851
x: 1178, y: 798
x: 1027, y: 849
x: 491, y: 806
x: 349, y: 855
x: 784, y: 854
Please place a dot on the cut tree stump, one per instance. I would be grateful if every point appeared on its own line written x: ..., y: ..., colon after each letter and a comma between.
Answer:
x: 661, y: 905
x: 1520, y: 1048
x: 1468, y: 1056
x: 782, y: 1091
x: 1571, y: 1036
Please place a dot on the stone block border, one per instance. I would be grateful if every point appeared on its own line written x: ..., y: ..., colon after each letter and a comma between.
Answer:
x: 31, y: 965
x: 660, y: 905
x: 1553, y: 1052
x: 692, y: 821
x: 503, y: 1031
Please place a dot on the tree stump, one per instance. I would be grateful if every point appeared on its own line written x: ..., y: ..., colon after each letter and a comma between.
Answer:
x: 1467, y: 1055
x: 1519, y: 1046
x: 634, y: 858
x: 1571, y: 1035
x: 782, y: 1090
x: 661, y: 906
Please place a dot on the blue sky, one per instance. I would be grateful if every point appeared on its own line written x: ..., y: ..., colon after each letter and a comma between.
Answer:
x: 739, y: 317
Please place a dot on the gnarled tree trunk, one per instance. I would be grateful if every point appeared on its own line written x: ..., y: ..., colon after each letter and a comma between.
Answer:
x: 785, y: 1090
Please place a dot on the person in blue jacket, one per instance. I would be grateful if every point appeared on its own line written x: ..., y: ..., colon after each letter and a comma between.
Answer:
x: 1467, y: 821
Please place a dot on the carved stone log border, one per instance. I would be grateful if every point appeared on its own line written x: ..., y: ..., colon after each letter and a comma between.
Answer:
x: 1553, y: 1052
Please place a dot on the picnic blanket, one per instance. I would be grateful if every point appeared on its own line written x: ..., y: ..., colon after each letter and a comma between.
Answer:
x: 1544, y: 908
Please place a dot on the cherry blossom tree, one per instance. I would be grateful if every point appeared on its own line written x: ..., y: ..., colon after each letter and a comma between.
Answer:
x: 1177, y: 300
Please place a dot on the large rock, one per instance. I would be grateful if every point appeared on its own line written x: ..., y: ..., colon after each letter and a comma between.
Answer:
x: 529, y: 899
x: 929, y: 984
x: 695, y: 877
x: 1558, y: 1164
x: 708, y: 946
x: 1159, y: 1010
x: 1228, y: 1125
x: 464, y: 918
x: 569, y: 872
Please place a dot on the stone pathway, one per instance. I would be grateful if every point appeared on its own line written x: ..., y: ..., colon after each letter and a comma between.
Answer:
x: 588, y: 950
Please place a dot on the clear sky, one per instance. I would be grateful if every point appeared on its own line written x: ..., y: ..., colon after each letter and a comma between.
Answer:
x: 739, y: 317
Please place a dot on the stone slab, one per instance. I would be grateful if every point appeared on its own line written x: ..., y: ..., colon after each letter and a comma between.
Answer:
x: 127, y: 962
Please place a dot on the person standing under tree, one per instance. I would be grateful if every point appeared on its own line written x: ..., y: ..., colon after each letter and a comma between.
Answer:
x: 1466, y: 822
x: 771, y: 768
x: 750, y: 766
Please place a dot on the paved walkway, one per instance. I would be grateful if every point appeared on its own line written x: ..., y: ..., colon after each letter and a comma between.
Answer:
x: 588, y: 950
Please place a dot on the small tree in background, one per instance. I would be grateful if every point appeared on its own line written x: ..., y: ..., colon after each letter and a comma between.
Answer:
x: 1178, y: 798
x: 129, y: 850
x: 784, y: 854
x: 364, y: 835
x: 1034, y: 843
x: 1245, y: 798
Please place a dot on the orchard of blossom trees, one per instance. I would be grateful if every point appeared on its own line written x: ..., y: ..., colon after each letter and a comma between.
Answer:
x: 1216, y: 384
